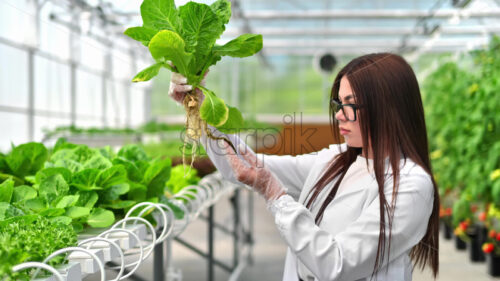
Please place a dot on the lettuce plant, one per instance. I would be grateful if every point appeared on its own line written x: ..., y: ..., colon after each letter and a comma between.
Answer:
x: 79, y: 185
x: 183, y: 41
x: 31, y: 238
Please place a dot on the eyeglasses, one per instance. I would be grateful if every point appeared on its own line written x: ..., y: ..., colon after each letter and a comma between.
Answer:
x: 348, y: 109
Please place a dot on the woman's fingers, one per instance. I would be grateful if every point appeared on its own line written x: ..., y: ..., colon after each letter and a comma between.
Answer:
x: 248, y: 155
x: 182, y: 88
x: 178, y: 91
x: 242, y: 172
x: 178, y: 78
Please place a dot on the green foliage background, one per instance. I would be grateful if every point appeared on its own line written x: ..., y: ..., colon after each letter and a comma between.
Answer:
x: 462, y: 105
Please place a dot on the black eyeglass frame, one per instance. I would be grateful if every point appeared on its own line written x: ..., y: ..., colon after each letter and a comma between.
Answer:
x: 355, y: 107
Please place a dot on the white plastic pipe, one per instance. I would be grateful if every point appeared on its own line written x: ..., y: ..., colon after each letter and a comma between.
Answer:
x: 38, y: 265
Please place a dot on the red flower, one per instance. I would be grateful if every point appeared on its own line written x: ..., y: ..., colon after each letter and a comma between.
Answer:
x: 492, y: 234
x: 482, y: 216
x: 498, y: 236
x: 463, y: 225
x: 448, y: 211
x: 488, y: 247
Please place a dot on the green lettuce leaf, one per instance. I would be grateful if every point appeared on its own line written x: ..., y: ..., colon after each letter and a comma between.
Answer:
x: 86, y: 198
x: 9, y: 211
x: 26, y: 159
x: 114, y: 192
x: 243, y: 46
x: 200, y: 28
x: 100, y: 217
x: 141, y: 34
x: 112, y: 176
x: 133, y: 172
x: 37, y: 204
x: 67, y: 201
x: 148, y: 73
x: 222, y: 8
x: 213, y: 109
x: 137, y: 192
x: 97, y: 162
x: 168, y: 45
x: 134, y: 153
x: 53, y: 187
x: 86, y: 179
x: 160, y: 15
x: 47, y: 172
x: 23, y: 192
x: 76, y: 212
x: 72, y: 165
x: 6, y: 190
x: 156, y: 176
x: 234, y: 121
x: 120, y: 204
x: 52, y: 212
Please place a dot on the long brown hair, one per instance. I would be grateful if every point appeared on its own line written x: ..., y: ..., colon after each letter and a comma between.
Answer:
x: 392, y: 121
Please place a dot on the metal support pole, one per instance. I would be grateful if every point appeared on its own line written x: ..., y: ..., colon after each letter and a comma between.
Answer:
x: 31, y: 94
x: 158, y: 270
x: 236, y: 226
x: 148, y: 93
x: 74, y: 51
x: 128, y: 89
x: 250, y: 227
x: 210, y: 258
x: 73, y: 93
x: 168, y: 258
x: 105, y: 78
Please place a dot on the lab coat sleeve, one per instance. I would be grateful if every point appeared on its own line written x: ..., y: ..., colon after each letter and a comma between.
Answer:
x: 291, y: 171
x: 350, y: 255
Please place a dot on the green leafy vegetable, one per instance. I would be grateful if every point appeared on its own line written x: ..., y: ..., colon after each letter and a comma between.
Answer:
x: 184, y: 41
x: 27, y: 159
x: 77, y: 212
x: 101, y: 218
x: 6, y: 190
x: 53, y: 187
x: 32, y: 238
x: 180, y: 178
x: 213, y: 109
x: 23, y: 192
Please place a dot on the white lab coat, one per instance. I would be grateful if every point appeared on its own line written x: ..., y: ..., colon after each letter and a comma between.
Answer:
x: 344, y: 245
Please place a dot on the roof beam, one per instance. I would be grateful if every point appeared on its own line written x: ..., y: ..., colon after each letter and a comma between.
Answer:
x: 382, y: 43
x: 368, y: 14
x: 355, y: 50
x: 355, y: 31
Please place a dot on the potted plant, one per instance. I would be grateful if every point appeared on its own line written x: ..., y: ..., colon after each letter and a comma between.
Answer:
x: 445, y: 216
x: 445, y: 213
x: 461, y: 235
x: 492, y: 250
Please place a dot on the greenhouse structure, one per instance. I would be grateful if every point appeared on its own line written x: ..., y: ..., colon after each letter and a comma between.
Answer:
x: 171, y: 140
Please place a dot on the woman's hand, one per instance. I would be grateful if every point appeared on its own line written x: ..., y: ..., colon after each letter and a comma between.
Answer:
x: 179, y: 88
x: 251, y: 171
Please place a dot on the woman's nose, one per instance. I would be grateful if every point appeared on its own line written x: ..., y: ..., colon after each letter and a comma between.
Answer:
x: 340, y: 116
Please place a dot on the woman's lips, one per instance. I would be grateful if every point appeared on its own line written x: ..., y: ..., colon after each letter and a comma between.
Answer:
x: 344, y: 131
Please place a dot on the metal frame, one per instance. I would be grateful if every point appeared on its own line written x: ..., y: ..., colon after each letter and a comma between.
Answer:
x: 106, y: 74
x: 239, y: 234
x: 364, y: 31
x: 367, y: 14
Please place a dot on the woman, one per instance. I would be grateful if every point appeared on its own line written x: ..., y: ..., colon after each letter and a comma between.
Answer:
x: 362, y: 210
